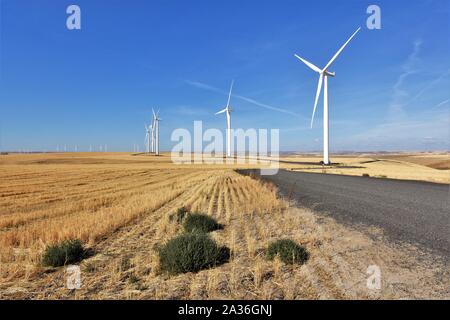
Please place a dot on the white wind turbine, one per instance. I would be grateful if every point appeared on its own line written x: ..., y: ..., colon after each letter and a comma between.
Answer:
x: 148, y: 130
x: 156, y: 120
x: 228, y: 113
x: 152, y: 127
x: 324, y: 74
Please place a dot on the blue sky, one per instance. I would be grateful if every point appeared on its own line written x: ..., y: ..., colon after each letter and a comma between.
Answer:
x: 97, y: 85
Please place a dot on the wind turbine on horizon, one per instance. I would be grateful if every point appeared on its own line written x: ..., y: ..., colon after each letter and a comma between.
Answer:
x: 156, y: 120
x: 152, y: 127
x: 228, y: 111
x: 148, y: 131
x: 323, y: 78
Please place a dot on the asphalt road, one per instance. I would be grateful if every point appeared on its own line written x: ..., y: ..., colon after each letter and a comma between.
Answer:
x: 416, y: 212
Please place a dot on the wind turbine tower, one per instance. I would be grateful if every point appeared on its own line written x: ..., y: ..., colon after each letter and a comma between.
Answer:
x: 147, y: 137
x: 157, y: 119
x: 228, y: 111
x: 152, y: 127
x: 323, y: 78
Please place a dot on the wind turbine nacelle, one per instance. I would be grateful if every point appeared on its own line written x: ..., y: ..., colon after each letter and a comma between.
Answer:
x: 330, y: 74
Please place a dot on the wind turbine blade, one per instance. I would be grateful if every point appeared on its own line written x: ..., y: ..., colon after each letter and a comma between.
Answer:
x: 221, y: 111
x: 340, y: 50
x: 309, y: 64
x: 154, y: 116
x: 229, y: 95
x: 319, y: 88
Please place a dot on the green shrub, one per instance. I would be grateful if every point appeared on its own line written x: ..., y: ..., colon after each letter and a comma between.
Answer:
x: 200, y: 223
x: 180, y: 214
x: 125, y: 264
x: 191, y: 252
x: 132, y: 278
x: 288, y: 251
x: 65, y: 252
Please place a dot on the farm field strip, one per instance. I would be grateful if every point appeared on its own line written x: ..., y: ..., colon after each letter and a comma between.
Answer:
x: 119, y: 203
x: 91, y: 188
x: 94, y: 184
x: 93, y: 201
x: 89, y: 219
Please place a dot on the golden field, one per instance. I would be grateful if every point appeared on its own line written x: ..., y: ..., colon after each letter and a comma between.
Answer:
x: 431, y: 167
x: 119, y: 205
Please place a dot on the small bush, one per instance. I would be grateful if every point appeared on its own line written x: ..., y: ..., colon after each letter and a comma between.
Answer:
x: 132, y: 278
x: 179, y: 215
x: 288, y: 251
x: 125, y: 264
x: 197, y: 222
x: 65, y: 252
x: 366, y: 175
x: 191, y: 252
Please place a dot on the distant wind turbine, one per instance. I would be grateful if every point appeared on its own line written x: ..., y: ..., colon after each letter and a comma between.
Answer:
x: 323, y: 77
x: 228, y: 113
x: 147, y: 137
x: 152, y: 129
x: 157, y: 119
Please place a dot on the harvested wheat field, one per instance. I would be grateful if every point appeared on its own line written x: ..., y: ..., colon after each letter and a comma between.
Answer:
x: 121, y: 207
x: 432, y: 167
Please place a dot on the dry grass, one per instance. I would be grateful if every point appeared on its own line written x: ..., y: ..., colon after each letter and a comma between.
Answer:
x: 433, y: 167
x: 45, y: 204
x: 121, y: 209
x: 420, y: 167
x: 431, y: 160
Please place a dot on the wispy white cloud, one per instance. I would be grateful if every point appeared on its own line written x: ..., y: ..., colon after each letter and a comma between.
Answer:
x: 266, y: 106
x: 442, y: 103
x: 400, y: 94
x: 429, y: 85
x: 401, y: 97
x: 207, y: 87
x: 204, y: 86
x: 425, y: 131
